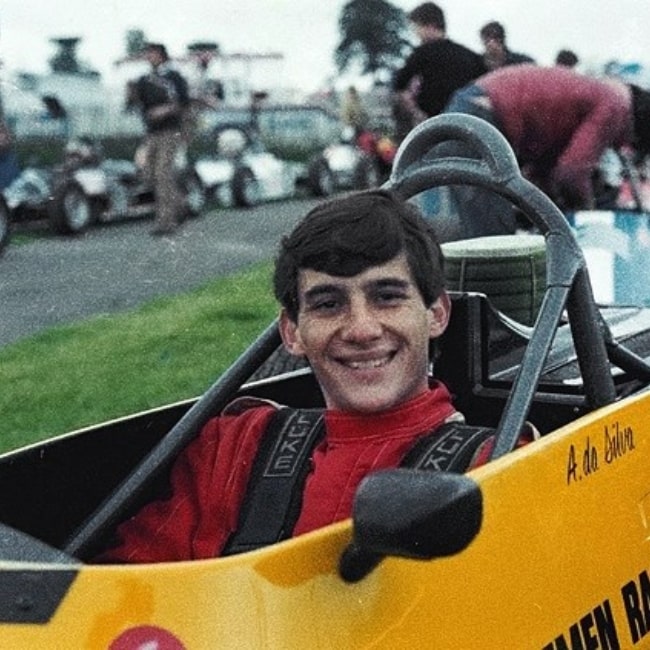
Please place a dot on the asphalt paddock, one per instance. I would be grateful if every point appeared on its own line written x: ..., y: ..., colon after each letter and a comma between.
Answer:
x: 47, y: 280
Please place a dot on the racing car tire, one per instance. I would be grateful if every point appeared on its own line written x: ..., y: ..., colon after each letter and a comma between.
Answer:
x: 195, y: 195
x: 366, y: 174
x: 71, y: 211
x: 245, y: 188
x: 5, y: 228
x: 510, y: 270
x: 98, y: 209
x: 320, y: 178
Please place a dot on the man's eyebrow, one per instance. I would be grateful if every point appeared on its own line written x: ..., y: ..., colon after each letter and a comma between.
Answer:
x: 380, y: 283
x: 320, y: 290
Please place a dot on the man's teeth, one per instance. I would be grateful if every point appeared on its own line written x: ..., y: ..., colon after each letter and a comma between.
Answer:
x: 371, y: 363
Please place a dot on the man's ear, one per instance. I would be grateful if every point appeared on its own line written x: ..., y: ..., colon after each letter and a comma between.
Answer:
x: 290, y: 334
x: 440, y: 313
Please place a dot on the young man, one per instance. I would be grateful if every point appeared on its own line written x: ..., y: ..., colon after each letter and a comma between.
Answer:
x: 163, y: 97
x: 360, y: 283
x: 431, y: 73
x: 438, y: 66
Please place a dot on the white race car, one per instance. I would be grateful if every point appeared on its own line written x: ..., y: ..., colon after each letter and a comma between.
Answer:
x: 243, y: 173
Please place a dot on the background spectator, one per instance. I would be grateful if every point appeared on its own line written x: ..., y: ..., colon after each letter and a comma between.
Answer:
x: 438, y: 66
x: 496, y: 52
x: 567, y: 58
x: 162, y: 97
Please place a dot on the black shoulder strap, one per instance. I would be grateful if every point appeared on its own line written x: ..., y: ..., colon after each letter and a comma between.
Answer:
x: 449, y: 448
x: 274, y: 493
x: 273, y: 497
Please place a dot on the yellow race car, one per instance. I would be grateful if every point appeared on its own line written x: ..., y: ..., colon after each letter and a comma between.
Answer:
x: 545, y: 547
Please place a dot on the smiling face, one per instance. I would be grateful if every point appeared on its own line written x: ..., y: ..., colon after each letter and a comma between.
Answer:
x: 366, y: 336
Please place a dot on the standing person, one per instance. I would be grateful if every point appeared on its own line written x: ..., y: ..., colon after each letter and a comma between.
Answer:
x: 353, y: 112
x: 162, y: 96
x: 423, y: 86
x: 438, y: 66
x: 496, y: 52
x: 360, y: 283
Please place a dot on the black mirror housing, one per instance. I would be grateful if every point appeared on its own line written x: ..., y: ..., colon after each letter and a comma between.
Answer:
x: 413, y: 514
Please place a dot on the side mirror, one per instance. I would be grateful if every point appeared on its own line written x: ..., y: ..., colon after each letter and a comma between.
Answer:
x: 412, y: 514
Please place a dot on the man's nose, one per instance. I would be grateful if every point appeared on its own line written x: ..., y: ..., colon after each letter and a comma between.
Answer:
x: 361, y: 322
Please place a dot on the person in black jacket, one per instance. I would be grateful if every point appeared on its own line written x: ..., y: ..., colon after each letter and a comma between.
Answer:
x: 436, y: 68
x: 162, y: 97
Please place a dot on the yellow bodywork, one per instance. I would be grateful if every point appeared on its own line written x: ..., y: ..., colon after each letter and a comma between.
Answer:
x: 561, y: 561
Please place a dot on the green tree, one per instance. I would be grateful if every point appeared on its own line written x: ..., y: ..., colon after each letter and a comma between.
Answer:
x: 372, y: 36
x: 135, y: 40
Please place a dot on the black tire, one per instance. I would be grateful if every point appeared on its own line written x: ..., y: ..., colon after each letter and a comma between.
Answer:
x: 71, y: 210
x: 195, y: 196
x: 366, y: 174
x: 98, y: 209
x: 510, y: 270
x: 245, y: 188
x: 320, y: 178
x: 5, y: 228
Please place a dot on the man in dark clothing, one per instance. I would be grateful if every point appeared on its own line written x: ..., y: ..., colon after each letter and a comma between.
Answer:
x: 438, y: 66
x: 430, y: 75
x: 162, y: 96
x: 497, y: 53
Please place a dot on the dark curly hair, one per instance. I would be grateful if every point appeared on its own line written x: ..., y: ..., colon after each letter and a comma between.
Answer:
x: 347, y: 235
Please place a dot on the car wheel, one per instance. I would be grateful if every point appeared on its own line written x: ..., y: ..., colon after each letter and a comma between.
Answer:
x: 320, y: 177
x: 4, y: 225
x: 245, y: 188
x: 98, y: 209
x: 510, y: 270
x: 71, y: 212
x: 195, y: 195
x: 366, y: 174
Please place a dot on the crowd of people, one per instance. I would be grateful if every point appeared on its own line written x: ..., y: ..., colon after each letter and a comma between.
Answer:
x: 558, y: 121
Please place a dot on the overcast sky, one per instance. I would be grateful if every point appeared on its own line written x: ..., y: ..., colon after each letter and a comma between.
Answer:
x: 306, y: 31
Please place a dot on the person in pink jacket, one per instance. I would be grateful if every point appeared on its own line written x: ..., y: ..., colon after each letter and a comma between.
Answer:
x: 558, y: 122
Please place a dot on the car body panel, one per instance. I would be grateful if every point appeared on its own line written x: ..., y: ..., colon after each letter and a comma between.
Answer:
x: 510, y: 584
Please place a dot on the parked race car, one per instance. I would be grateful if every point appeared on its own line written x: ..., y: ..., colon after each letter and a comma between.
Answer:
x: 356, y: 162
x: 48, y: 193
x: 86, y: 189
x: 116, y: 188
x: 242, y: 173
x: 546, y: 546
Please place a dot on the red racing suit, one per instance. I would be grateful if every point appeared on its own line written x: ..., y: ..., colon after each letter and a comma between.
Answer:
x: 209, y: 479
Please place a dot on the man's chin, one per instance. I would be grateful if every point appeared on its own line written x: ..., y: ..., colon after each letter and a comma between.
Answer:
x: 369, y: 404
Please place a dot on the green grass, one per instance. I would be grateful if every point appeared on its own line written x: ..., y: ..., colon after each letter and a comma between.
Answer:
x: 109, y: 366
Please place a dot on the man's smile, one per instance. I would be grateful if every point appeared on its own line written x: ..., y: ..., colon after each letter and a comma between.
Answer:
x: 367, y: 362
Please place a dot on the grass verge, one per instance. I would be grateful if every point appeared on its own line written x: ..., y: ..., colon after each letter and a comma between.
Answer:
x: 170, y: 349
